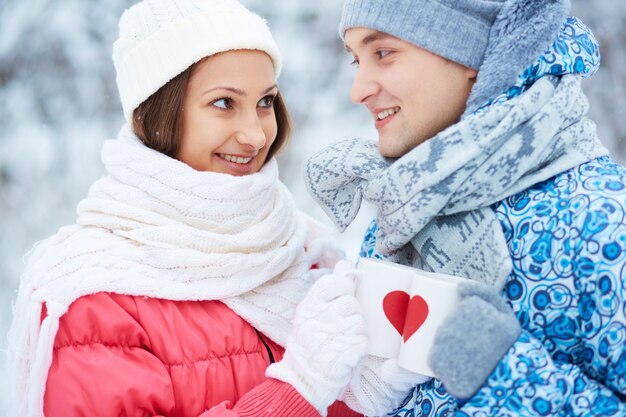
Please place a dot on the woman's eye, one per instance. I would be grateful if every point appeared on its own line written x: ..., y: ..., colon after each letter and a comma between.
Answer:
x: 382, y: 53
x: 355, y: 61
x: 223, y: 103
x: 267, y: 101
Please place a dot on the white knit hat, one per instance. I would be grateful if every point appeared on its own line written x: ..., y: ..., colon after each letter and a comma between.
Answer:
x: 160, y: 39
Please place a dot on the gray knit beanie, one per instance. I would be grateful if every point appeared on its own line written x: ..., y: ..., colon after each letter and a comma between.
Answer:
x: 499, y: 38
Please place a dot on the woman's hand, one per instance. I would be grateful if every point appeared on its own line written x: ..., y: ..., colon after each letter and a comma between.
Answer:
x: 380, y: 385
x: 327, y: 342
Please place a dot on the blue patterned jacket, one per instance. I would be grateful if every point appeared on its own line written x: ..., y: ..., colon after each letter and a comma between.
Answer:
x: 567, y: 240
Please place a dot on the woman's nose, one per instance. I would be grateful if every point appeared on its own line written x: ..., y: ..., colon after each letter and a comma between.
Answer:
x: 251, y: 133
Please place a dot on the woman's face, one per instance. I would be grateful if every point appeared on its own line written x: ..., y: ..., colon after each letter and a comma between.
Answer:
x: 229, y: 123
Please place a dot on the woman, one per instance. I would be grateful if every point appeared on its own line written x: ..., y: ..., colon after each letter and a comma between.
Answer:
x: 178, y: 284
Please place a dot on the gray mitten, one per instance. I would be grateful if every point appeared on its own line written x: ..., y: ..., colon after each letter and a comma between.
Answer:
x: 472, y: 340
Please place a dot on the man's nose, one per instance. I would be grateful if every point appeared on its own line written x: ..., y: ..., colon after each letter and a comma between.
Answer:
x: 364, y: 86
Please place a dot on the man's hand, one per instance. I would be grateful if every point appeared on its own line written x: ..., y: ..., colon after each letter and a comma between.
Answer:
x: 472, y: 340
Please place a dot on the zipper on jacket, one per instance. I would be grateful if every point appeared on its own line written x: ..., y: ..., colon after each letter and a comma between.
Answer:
x: 269, y: 351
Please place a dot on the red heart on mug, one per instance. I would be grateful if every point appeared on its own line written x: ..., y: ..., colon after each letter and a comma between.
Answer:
x: 405, y: 314
x: 395, y: 305
x: 416, y: 314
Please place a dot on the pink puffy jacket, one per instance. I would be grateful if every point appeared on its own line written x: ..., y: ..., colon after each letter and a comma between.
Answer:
x: 117, y: 355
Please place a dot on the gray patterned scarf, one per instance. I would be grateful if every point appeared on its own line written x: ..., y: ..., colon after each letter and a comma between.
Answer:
x: 437, y: 197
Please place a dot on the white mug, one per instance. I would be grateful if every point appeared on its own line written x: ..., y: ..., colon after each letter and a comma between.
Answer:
x: 403, y: 308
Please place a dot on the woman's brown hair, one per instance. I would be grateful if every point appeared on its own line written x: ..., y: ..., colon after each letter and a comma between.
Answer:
x: 158, y: 121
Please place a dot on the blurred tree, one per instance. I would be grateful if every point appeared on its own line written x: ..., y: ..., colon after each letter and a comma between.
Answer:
x: 607, y: 89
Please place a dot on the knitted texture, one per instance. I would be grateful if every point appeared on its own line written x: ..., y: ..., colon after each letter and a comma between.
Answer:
x: 454, y: 29
x: 575, y: 50
x: 379, y: 386
x: 159, y: 39
x: 274, y: 397
x: 328, y: 341
x: 472, y: 340
x: 499, y: 38
x: 437, y: 196
x: 155, y: 227
x: 523, y: 30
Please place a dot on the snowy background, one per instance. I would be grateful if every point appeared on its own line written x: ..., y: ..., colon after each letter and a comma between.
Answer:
x: 58, y: 102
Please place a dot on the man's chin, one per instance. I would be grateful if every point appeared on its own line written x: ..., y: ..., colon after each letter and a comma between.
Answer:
x: 391, y: 147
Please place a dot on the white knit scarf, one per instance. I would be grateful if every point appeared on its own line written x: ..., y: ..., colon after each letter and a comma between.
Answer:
x: 436, y: 199
x: 155, y: 227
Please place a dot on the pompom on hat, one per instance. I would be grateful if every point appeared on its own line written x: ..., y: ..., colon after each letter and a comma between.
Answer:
x: 499, y: 38
x: 159, y: 39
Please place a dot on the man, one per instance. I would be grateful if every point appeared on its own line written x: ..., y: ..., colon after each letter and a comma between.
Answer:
x: 487, y: 167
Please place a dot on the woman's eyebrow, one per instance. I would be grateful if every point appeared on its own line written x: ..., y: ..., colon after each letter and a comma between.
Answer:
x: 237, y: 90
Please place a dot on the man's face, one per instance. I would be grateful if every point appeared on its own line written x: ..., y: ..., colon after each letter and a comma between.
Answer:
x: 411, y: 93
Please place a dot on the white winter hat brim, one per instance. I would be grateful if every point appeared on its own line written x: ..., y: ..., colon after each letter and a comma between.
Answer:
x: 144, y: 67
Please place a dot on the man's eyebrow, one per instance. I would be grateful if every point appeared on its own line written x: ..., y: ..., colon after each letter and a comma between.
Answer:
x: 372, y: 37
x: 375, y: 36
